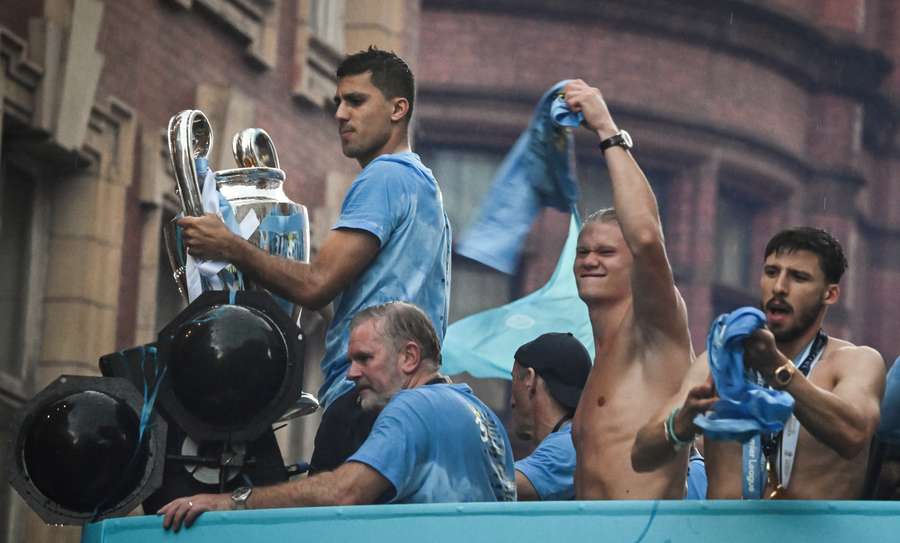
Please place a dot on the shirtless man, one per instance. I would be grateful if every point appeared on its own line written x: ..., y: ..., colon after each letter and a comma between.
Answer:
x: 837, y: 405
x: 639, y: 322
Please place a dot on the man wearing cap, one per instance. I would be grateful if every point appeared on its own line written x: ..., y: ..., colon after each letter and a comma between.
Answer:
x: 547, y: 377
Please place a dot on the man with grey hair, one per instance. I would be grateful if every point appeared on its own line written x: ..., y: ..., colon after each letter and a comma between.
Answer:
x: 432, y: 441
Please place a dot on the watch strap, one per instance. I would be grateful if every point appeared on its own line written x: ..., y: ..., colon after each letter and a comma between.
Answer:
x: 621, y: 139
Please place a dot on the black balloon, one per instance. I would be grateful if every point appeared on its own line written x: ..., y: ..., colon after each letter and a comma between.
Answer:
x: 80, y: 451
x: 227, y: 364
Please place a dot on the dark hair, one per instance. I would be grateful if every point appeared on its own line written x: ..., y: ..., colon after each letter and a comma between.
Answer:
x: 815, y: 240
x: 401, y: 322
x: 390, y: 73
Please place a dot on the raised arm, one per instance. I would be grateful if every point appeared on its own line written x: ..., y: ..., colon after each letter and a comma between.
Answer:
x: 343, y: 256
x: 843, y: 418
x: 657, y: 304
x: 652, y: 448
x: 351, y: 484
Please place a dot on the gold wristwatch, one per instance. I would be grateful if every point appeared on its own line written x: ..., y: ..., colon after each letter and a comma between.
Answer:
x: 782, y: 375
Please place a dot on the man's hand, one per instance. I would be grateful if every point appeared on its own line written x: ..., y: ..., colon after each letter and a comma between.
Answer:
x: 761, y: 353
x: 207, y: 237
x: 588, y: 100
x: 188, y: 509
x: 699, y: 400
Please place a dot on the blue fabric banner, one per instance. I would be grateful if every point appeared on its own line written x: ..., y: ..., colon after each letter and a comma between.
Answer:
x: 484, y: 344
x: 538, y: 172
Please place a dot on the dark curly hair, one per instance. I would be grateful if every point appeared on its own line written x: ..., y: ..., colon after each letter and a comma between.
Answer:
x: 815, y: 240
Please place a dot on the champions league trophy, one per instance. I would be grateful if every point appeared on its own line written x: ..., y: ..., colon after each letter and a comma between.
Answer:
x: 250, y: 200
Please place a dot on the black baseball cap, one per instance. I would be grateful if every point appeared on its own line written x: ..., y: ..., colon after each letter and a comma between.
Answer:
x: 561, y: 361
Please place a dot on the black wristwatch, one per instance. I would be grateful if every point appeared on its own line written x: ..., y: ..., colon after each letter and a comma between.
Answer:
x: 240, y: 496
x: 621, y: 138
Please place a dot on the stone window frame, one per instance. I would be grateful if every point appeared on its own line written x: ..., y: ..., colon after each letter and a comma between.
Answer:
x: 318, y: 53
x: 16, y: 386
x: 254, y: 21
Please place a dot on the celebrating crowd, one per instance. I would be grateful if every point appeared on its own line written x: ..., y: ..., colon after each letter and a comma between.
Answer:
x: 634, y: 423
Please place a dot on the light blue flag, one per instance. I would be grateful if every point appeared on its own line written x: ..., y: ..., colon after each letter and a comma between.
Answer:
x: 484, y: 344
x: 538, y: 172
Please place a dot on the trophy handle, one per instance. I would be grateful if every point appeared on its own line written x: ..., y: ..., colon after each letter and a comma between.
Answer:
x: 190, y: 138
x: 253, y: 148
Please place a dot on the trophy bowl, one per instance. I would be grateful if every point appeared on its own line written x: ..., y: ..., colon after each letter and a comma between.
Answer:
x: 256, y: 186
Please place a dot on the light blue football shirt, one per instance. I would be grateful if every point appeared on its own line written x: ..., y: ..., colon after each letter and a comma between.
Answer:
x: 440, y: 443
x: 396, y: 199
x: 551, y: 466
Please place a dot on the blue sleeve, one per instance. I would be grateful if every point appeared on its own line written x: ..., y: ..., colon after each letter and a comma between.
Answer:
x: 551, y: 467
x: 373, y: 200
x: 398, y: 441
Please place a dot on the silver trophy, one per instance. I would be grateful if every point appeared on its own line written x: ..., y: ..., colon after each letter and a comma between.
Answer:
x: 256, y: 186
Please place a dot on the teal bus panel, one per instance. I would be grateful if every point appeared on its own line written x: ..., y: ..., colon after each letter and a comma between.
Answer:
x: 549, y: 522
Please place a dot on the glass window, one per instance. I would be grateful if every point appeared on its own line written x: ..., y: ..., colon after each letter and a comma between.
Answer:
x: 16, y: 194
x: 596, y: 189
x: 734, y: 220
x: 326, y: 22
x: 465, y: 178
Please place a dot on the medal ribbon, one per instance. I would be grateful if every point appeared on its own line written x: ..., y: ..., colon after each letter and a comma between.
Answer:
x: 789, y: 436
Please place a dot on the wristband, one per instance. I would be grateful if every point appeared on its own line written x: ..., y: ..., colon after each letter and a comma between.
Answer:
x: 671, y: 436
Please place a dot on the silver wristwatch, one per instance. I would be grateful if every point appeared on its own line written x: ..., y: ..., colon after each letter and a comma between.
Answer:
x: 240, y: 496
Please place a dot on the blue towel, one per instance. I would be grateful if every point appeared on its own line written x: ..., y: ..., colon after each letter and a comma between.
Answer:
x: 538, y: 172
x: 562, y: 115
x: 889, y: 427
x: 745, y: 408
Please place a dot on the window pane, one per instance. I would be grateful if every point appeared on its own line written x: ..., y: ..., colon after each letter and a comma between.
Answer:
x: 326, y: 21
x: 465, y: 178
x: 6, y: 414
x: 733, y: 240
x: 15, y: 218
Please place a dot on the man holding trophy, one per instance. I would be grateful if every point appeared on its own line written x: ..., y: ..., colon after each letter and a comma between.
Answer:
x: 391, y: 241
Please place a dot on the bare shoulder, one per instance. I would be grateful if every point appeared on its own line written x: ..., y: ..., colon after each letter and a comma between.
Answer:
x: 859, y: 364
x: 842, y: 352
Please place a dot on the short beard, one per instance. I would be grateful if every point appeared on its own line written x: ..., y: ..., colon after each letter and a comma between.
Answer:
x: 375, y: 402
x: 805, y: 321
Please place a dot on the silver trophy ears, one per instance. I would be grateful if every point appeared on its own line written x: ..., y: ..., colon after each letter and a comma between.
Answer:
x: 190, y: 137
x: 253, y: 148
